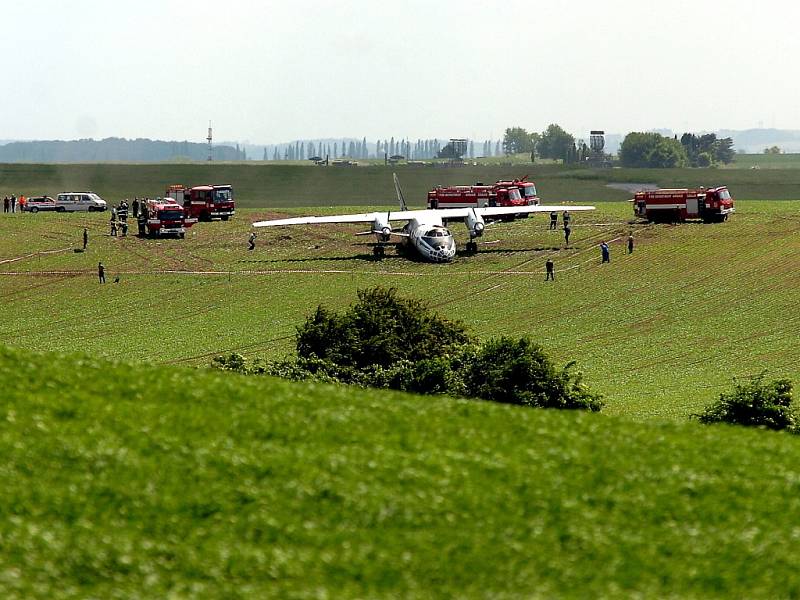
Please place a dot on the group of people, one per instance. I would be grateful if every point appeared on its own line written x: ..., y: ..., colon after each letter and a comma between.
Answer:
x: 119, y: 217
x: 605, y: 257
x: 10, y: 203
x: 566, y: 218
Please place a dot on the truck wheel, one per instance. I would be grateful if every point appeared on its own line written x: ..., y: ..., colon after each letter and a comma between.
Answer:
x: 61, y: 209
x: 34, y: 209
x: 225, y: 217
x: 182, y: 235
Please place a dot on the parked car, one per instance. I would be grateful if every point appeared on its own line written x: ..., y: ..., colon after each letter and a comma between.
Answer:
x: 75, y: 201
x: 36, y: 203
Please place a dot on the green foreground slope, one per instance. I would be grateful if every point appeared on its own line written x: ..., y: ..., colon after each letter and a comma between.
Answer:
x: 122, y: 480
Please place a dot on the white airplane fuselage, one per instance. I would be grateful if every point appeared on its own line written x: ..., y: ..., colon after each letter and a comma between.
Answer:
x: 430, y: 238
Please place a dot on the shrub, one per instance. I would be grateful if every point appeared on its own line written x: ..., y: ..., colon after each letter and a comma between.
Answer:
x: 519, y: 372
x: 754, y: 403
x: 388, y: 342
x: 237, y: 363
x: 380, y: 329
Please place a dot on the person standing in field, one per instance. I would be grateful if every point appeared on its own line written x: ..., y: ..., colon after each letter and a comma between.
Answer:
x: 135, y: 207
x: 113, y: 229
x: 553, y: 220
x: 550, y: 268
x: 567, y: 231
x: 85, y: 237
x: 630, y: 243
x: 566, y: 218
x: 251, y: 241
x: 101, y: 272
x: 605, y: 251
x: 13, y: 203
x: 6, y: 202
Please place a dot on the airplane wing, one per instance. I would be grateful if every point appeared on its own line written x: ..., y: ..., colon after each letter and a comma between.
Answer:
x: 353, y: 218
x: 396, y: 215
x: 407, y: 215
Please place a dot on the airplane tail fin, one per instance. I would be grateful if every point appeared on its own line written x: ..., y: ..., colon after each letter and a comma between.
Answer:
x: 399, y: 192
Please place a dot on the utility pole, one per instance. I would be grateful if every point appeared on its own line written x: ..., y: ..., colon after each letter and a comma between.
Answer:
x: 209, y: 139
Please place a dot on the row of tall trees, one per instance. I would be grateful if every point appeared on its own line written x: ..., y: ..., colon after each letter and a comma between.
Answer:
x: 420, y: 149
x: 648, y: 149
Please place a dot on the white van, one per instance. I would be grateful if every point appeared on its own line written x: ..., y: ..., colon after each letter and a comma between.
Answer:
x: 74, y: 201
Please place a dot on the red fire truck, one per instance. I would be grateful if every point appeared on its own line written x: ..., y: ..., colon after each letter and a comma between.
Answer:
x: 673, y: 205
x: 205, y: 202
x: 517, y: 192
x: 161, y: 217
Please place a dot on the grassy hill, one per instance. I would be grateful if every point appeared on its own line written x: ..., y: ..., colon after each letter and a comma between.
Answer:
x: 128, y: 480
x: 660, y: 332
x: 275, y: 185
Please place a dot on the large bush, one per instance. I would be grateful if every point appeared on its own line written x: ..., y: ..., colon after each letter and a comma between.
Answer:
x: 384, y: 341
x: 380, y: 329
x: 519, y: 372
x: 755, y: 403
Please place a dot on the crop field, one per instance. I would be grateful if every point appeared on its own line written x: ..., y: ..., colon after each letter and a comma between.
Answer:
x: 660, y: 332
x: 123, y: 480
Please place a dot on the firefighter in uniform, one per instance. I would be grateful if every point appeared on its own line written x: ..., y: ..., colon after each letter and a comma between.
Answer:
x: 142, y: 221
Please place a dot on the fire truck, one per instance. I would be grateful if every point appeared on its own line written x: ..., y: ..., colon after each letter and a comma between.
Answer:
x: 712, y: 205
x: 204, y: 202
x: 516, y: 192
x: 161, y: 217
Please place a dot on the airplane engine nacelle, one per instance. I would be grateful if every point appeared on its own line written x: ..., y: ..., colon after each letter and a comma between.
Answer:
x: 475, y: 224
x: 382, y: 229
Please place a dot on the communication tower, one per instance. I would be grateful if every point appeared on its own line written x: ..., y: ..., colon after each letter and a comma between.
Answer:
x: 209, y: 139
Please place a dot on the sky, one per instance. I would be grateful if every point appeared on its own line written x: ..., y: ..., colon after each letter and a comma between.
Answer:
x: 268, y: 72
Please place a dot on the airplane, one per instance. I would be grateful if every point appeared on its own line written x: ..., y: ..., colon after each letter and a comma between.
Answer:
x: 425, y: 230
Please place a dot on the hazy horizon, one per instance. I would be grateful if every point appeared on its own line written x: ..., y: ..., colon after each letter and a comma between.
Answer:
x: 267, y: 72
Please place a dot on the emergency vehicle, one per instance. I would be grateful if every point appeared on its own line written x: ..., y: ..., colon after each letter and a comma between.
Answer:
x: 161, y: 217
x: 516, y: 192
x: 674, y: 205
x: 204, y: 202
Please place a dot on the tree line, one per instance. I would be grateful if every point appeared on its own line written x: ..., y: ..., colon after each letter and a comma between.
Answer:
x: 419, y: 149
x: 115, y: 149
x: 647, y: 149
x: 638, y: 149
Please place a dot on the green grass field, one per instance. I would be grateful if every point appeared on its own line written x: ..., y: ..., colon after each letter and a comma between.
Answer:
x: 660, y: 332
x: 274, y: 185
x: 124, y: 480
x: 766, y: 161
